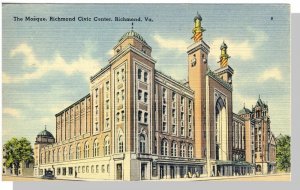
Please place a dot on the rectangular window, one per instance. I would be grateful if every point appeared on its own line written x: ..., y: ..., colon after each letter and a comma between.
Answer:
x: 145, y: 77
x: 96, y: 126
x: 123, y: 115
x: 139, y: 74
x: 140, y: 116
x: 107, y: 85
x: 70, y: 170
x: 145, y: 97
x: 164, y: 109
x: 64, y: 171
x: 145, y: 117
x: 96, y: 108
x: 97, y: 168
x: 174, y: 129
x: 107, y: 168
x: 96, y: 92
x: 139, y: 94
x: 173, y: 96
x: 164, y: 128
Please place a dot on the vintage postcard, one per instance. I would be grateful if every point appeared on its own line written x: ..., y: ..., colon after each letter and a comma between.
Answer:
x: 162, y: 92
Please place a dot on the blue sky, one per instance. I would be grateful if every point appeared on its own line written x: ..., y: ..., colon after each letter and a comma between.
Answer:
x: 46, y: 65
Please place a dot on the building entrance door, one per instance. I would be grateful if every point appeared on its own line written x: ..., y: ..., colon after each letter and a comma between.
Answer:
x: 161, y: 172
x: 119, y: 172
x: 172, y: 172
x: 143, y: 171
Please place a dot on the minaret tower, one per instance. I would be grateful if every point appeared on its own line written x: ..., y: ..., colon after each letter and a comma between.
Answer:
x: 225, y: 72
x: 197, y: 68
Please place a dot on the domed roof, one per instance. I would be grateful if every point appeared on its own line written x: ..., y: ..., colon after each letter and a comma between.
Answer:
x: 223, y: 46
x: 244, y: 111
x: 46, y: 133
x: 198, y: 16
x: 132, y: 33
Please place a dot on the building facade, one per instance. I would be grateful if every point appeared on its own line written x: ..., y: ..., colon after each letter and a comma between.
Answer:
x: 138, y: 123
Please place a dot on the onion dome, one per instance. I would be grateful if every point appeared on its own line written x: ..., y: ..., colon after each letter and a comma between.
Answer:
x: 244, y: 111
x: 223, y: 46
x: 45, y: 137
x: 198, y: 16
x: 132, y: 33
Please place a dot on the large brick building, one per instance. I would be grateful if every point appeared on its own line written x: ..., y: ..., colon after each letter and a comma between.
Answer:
x: 138, y: 123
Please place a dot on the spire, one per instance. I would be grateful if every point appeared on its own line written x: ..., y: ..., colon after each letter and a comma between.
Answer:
x: 45, y: 127
x: 198, y: 30
x: 224, y: 56
x: 244, y: 104
x: 132, y: 26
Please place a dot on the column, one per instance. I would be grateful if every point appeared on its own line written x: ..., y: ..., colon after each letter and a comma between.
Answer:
x: 178, y: 171
x: 168, y: 171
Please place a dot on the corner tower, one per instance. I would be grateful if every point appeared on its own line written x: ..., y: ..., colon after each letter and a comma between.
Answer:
x: 225, y: 72
x: 197, y: 68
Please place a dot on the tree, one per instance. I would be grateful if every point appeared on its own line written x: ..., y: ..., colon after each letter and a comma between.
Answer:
x: 283, y: 152
x: 17, y: 151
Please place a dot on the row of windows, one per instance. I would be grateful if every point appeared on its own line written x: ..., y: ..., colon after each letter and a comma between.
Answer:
x: 174, y: 129
x: 174, y: 98
x: 68, y: 155
x: 83, y: 169
x: 165, y: 149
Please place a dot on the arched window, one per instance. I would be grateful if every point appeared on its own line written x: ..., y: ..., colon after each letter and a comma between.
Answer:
x: 190, y: 151
x: 70, y: 152
x: 221, y: 129
x: 96, y: 148
x: 78, y: 151
x: 121, y: 143
x: 86, y: 150
x: 182, y: 150
x: 142, y: 143
x: 164, y: 147
x: 174, y: 149
x: 106, y: 146
x: 65, y: 153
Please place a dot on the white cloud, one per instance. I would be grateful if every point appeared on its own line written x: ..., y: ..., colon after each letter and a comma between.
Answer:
x: 239, y: 50
x: 273, y: 73
x: 11, y: 112
x: 171, y: 43
x: 84, y: 65
x: 239, y: 101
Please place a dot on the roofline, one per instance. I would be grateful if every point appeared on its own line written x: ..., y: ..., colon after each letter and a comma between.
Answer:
x: 72, y: 105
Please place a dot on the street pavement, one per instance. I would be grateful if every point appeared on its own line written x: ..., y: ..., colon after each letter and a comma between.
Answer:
x: 273, y: 177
